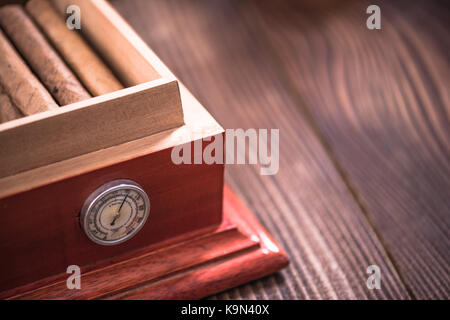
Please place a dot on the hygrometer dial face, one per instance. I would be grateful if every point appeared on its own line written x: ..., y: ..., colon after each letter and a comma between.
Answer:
x: 115, y: 212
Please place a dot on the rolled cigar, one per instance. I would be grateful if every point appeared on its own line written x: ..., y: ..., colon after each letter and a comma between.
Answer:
x: 92, y: 72
x: 8, y: 111
x: 44, y: 61
x: 25, y: 90
x: 131, y: 69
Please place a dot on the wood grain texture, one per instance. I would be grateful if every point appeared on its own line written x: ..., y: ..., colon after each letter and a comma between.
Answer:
x: 42, y: 58
x: 306, y: 206
x: 75, y: 51
x: 24, y: 89
x: 378, y: 149
x: 381, y: 103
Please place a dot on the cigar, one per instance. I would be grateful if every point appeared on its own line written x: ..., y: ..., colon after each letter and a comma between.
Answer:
x: 23, y: 88
x: 44, y: 61
x: 8, y: 111
x: 92, y: 72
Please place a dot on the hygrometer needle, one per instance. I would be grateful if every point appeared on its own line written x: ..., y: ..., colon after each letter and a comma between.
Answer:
x: 117, y: 214
x: 123, y: 202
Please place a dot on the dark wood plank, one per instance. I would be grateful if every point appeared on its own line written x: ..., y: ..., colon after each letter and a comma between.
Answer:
x: 306, y: 206
x: 381, y: 100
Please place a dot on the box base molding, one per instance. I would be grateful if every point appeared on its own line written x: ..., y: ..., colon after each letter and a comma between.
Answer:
x: 236, y: 252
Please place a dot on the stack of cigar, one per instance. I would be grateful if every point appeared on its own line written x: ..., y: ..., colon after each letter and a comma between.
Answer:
x: 44, y: 64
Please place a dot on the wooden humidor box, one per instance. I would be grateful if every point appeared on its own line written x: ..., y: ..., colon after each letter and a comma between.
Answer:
x: 50, y: 162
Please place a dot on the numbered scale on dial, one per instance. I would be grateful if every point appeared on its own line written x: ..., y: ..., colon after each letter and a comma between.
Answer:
x: 115, y: 212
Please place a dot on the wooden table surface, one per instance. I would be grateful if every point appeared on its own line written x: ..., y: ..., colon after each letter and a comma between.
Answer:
x: 364, y: 132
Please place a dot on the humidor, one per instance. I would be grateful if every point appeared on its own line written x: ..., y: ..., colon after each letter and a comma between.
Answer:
x: 199, y: 239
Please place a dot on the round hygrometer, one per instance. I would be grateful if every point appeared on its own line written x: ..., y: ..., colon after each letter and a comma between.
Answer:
x: 115, y: 212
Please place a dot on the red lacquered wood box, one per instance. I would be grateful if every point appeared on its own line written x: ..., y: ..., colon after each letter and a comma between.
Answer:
x: 197, y: 239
